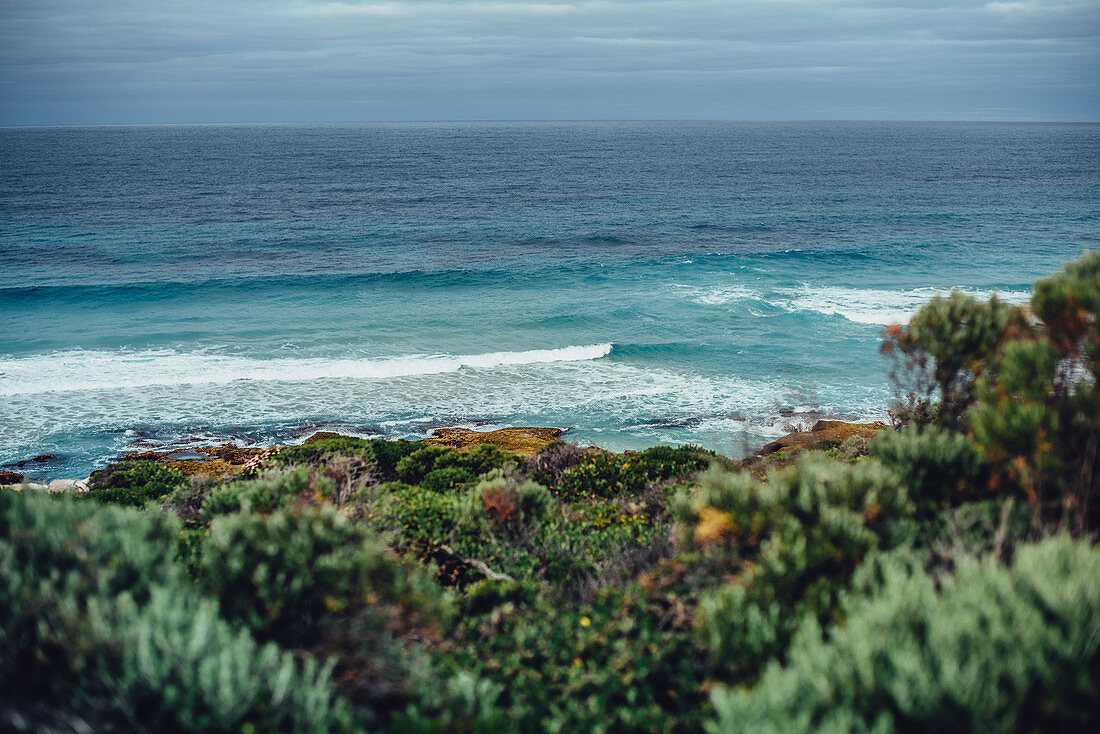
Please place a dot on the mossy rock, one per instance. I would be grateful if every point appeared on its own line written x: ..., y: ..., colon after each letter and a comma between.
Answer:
x: 523, y: 441
x: 823, y: 435
x: 215, y: 461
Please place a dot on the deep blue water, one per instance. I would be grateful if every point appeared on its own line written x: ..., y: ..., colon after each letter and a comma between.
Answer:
x: 635, y: 282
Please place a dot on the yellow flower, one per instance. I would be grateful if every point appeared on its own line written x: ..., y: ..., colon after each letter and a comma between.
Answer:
x: 586, y: 622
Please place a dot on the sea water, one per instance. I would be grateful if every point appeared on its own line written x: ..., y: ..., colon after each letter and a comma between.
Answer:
x: 635, y: 283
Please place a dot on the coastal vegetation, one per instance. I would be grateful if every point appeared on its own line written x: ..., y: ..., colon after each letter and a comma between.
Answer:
x: 939, y: 574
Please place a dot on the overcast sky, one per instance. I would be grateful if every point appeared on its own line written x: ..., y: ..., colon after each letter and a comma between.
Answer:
x: 91, y: 61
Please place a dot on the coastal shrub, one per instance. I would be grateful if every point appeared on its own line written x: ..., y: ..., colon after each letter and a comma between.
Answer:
x: 795, y: 541
x: 505, y: 503
x: 133, y: 483
x: 318, y: 452
x: 309, y: 580
x: 416, y: 466
x: 1038, y: 415
x: 622, y: 663
x: 379, y: 456
x: 987, y: 649
x: 1023, y: 385
x: 576, y: 550
x: 270, y: 491
x: 99, y: 632
x: 417, y: 518
x: 186, y: 501
x: 447, y: 479
x: 289, y: 575
x: 55, y: 548
x: 547, y: 465
x: 946, y: 347
x: 611, y: 475
x: 183, y: 668
x: 936, y: 465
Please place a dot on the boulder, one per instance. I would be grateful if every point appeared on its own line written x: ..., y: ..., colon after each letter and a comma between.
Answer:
x: 821, y: 432
x: 214, y: 461
x: 323, y: 436
x: 523, y: 441
x: 10, y: 477
x: 75, y: 486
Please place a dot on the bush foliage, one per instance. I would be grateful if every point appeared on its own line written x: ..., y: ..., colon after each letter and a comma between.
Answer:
x: 940, y: 577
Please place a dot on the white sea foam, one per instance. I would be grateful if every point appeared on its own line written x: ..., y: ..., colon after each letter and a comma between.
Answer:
x: 861, y: 305
x: 723, y: 411
x: 877, y: 306
x: 83, y: 370
x: 719, y: 295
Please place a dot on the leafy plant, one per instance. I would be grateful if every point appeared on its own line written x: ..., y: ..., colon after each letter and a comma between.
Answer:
x: 100, y: 631
x: 795, y: 540
x: 268, y: 492
x: 987, y: 649
x: 133, y: 483
x: 611, y: 475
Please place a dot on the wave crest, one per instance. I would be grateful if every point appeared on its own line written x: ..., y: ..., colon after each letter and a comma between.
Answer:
x: 79, y: 370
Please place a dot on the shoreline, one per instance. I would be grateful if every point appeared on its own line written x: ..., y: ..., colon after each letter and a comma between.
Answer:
x: 229, y: 459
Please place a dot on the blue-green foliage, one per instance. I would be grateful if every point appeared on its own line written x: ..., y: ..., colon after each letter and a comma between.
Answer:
x: 618, y: 664
x: 986, y: 649
x: 797, y: 538
x: 444, y: 469
x: 936, y: 465
x: 99, y: 631
x: 133, y: 483
x: 270, y: 491
x: 379, y: 456
x: 611, y: 475
x: 291, y: 576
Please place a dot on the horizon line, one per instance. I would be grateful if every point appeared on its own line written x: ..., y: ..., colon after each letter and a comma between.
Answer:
x: 548, y: 120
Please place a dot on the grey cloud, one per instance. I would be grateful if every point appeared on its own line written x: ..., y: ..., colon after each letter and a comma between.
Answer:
x: 122, y: 60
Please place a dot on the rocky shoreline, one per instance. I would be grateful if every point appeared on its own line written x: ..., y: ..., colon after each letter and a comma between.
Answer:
x: 228, y: 459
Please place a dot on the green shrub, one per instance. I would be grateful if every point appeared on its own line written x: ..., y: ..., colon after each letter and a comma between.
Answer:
x: 947, y: 345
x: 133, y: 483
x: 378, y: 457
x: 418, y: 465
x: 505, y: 503
x: 308, y: 579
x: 1037, y: 418
x: 612, y: 475
x: 186, y: 500
x: 319, y: 452
x: 936, y: 465
x: 417, y: 517
x: 798, y: 538
x: 618, y: 664
x: 547, y: 465
x: 291, y: 575
x: 100, y: 632
x: 183, y: 668
x: 1024, y: 386
x: 268, y: 492
x: 988, y: 649
x: 447, y: 479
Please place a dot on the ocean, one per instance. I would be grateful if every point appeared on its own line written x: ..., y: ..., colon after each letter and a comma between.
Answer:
x: 634, y: 282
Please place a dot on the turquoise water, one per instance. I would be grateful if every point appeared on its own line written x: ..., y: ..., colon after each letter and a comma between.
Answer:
x: 636, y: 283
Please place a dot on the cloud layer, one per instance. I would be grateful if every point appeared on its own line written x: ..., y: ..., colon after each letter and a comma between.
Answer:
x: 74, y: 61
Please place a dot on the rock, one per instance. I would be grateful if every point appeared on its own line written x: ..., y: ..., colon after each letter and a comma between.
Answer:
x: 214, y: 461
x: 43, y: 458
x: 10, y: 477
x: 823, y: 431
x: 523, y: 441
x: 67, y: 485
x: 323, y: 436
